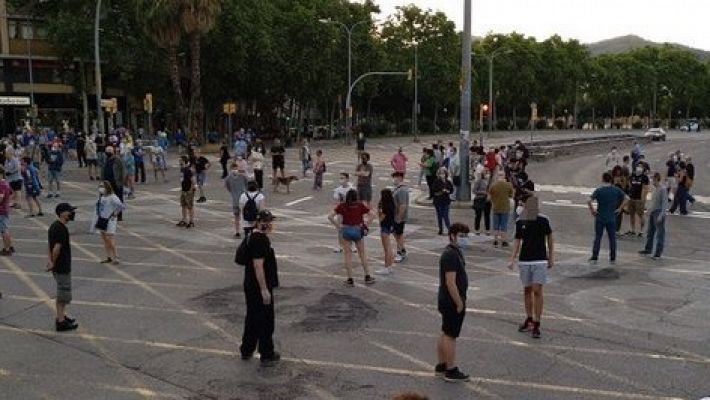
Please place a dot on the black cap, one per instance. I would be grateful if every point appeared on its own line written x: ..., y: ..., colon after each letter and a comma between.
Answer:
x: 265, y: 216
x: 62, y: 207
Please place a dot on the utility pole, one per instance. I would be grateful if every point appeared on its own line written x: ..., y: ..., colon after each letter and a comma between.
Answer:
x: 415, y: 113
x: 97, y: 61
x: 464, y: 192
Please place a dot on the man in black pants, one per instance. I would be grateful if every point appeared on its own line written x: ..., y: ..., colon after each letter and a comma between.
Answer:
x: 80, y: 150
x: 260, y: 279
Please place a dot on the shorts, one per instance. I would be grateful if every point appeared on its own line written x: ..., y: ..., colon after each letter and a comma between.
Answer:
x: 16, y: 185
x: 110, y: 228
x: 236, y: 210
x: 399, y: 228
x: 636, y: 207
x: 451, y: 321
x: 201, y: 178
x: 352, y: 233
x: 533, y: 273
x: 500, y: 222
x: 187, y: 199
x: 92, y: 162
x: 279, y: 164
x: 364, y: 193
x: 63, y: 287
x: 386, y: 229
x: 4, y: 223
x: 54, y: 175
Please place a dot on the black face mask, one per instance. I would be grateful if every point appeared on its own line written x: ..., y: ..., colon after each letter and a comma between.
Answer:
x: 72, y: 215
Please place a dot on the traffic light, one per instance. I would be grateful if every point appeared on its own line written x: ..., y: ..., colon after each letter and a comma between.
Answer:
x: 484, y: 108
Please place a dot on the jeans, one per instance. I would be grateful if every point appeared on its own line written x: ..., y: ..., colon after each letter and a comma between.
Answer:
x: 658, y: 230
x: 430, y: 184
x: 259, y: 177
x: 680, y: 200
x: 258, y: 326
x: 486, y: 214
x: 442, y: 215
x: 223, y: 162
x: 599, y: 227
x: 140, y: 171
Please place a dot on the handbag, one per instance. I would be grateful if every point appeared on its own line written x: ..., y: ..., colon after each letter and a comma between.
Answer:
x: 101, y: 223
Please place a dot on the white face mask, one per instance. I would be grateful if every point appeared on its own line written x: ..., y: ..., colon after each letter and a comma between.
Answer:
x: 462, y: 242
x: 343, y: 181
x: 102, y: 191
x: 235, y: 172
x: 639, y: 171
x: 519, y: 210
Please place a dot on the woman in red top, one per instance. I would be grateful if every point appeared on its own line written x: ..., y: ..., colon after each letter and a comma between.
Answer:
x: 352, y: 213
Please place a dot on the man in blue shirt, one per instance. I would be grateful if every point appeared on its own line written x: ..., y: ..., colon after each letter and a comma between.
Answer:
x: 610, y: 201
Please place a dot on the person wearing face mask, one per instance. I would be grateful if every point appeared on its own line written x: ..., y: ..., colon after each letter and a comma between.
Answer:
x: 656, y: 219
x: 59, y: 264
x: 482, y: 202
x: 638, y: 192
x: 113, y: 172
x: 451, y: 302
x: 260, y: 279
x: 680, y: 199
x: 671, y: 172
x: 364, y: 180
x: 91, y: 157
x: 442, y: 199
x: 256, y: 160
x: 187, y: 194
x: 399, y: 161
x: 236, y: 184
x: 250, y: 203
x: 339, y: 193
x: 612, y: 159
x: 54, y: 166
x: 107, y: 208
x: 533, y: 251
x: 278, y: 160
x: 610, y: 202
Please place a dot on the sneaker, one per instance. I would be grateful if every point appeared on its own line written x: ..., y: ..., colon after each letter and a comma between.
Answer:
x: 65, y: 325
x: 640, y: 234
x: 644, y: 252
x: 246, y: 357
x: 629, y: 233
x: 536, y: 330
x: 91, y: 178
x: 50, y: 195
x: 384, y: 271
x: 71, y: 320
x: 181, y: 223
x: 270, y: 361
x: 526, y: 325
x: 440, y: 369
x: 337, y: 250
x: 495, y: 243
x: 504, y: 244
x: 237, y: 235
x: 115, y: 262
x: 612, y: 262
x: 369, y: 280
x: 56, y: 195
x: 107, y: 261
x: 593, y: 261
x: 190, y: 225
x: 12, y: 250
x: 454, y: 375
x: 29, y: 216
x: 40, y: 214
x: 656, y: 258
x: 401, y: 256
x: 349, y: 282
x: 440, y: 232
x: 5, y: 252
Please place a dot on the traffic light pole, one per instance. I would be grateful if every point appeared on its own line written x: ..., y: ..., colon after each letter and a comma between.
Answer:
x: 464, y: 191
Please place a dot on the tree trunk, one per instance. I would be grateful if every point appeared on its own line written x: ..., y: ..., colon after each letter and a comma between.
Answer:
x: 436, y: 117
x: 515, y: 118
x: 177, y: 86
x: 196, y: 101
x: 84, y: 100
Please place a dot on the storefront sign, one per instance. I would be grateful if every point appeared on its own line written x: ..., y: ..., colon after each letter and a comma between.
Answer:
x: 14, y: 101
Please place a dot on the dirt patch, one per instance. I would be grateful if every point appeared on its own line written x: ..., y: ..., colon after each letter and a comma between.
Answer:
x: 336, y: 312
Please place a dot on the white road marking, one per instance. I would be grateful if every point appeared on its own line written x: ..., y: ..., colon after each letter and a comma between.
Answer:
x: 301, y: 200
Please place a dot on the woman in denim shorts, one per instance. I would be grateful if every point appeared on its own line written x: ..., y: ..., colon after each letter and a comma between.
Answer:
x: 352, y: 229
x: 386, y: 209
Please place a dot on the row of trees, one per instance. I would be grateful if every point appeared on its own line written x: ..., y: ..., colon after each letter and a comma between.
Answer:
x: 280, y: 58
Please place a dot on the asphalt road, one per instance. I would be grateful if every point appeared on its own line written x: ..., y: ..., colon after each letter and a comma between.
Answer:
x: 166, y: 322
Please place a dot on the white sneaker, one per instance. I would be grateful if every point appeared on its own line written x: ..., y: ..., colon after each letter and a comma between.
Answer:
x: 337, y: 250
x: 384, y: 271
x: 399, y: 258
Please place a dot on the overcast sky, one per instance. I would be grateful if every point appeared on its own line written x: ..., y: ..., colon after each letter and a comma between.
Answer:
x: 681, y: 21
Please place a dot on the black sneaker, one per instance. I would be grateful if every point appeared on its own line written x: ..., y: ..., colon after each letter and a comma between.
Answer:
x: 71, y: 320
x: 40, y: 214
x: 369, y: 280
x: 246, y: 357
x: 536, y: 330
x: 270, y: 361
x: 526, y: 325
x: 5, y: 252
x: 440, y: 369
x: 181, y: 223
x: 12, y: 249
x: 504, y: 244
x: 65, y: 325
x: 644, y: 252
x: 190, y: 225
x: 454, y: 375
x: 349, y: 282
x: 495, y: 243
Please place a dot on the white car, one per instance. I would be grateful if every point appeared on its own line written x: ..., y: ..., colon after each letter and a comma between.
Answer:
x: 690, y: 126
x: 656, y: 134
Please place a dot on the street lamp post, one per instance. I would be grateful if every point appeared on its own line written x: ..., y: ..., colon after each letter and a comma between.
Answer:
x: 97, y: 68
x: 33, y: 107
x: 415, y: 114
x: 464, y: 192
x: 490, y: 86
x: 349, y: 30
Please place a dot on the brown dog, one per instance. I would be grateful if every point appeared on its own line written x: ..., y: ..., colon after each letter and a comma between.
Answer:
x: 278, y: 181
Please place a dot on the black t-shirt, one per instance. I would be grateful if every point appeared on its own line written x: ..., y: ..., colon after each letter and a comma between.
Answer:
x: 533, y: 235
x: 186, y: 183
x: 672, y: 168
x: 100, y: 144
x: 452, y: 260
x: 636, y: 184
x: 259, y: 246
x: 224, y: 153
x: 522, y: 192
x: 201, y: 164
x: 80, y: 143
x: 361, y: 144
x: 690, y: 170
x: 58, y: 233
x: 277, y: 153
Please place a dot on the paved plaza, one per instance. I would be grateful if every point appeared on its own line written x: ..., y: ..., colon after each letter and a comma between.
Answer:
x: 167, y: 322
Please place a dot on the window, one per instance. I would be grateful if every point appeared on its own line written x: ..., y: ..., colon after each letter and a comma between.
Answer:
x: 41, y: 32
x: 27, y: 31
x: 12, y: 29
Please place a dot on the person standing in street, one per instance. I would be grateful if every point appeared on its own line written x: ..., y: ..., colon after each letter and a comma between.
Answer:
x: 201, y: 166
x: 139, y: 160
x: 81, y: 150
x: 656, y: 219
x: 442, y: 199
x: 482, y: 203
x: 339, y: 194
x: 107, y: 208
x: 533, y: 250
x: 638, y: 192
x: 250, y: 203
x: 386, y: 209
x: 260, y: 279
x: 500, y: 193
x: 113, y: 172
x: 451, y: 302
x: 13, y: 173
x: 305, y: 156
x: 187, y: 194
x: 399, y: 161
x: 236, y: 184
x: 224, y: 157
x: 610, y: 201
x: 360, y: 145
x: 364, y: 180
x: 401, y: 201
x: 5, y: 202
x: 455, y: 171
x: 680, y: 199
x: 54, y: 166
x: 318, y: 171
x: 91, y: 158
x: 278, y: 160
x: 59, y: 264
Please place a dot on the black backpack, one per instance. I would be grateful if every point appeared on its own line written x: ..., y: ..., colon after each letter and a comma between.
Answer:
x: 242, y: 256
x: 250, y: 209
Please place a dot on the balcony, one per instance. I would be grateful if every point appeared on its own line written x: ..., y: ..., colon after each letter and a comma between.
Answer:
x: 39, y: 47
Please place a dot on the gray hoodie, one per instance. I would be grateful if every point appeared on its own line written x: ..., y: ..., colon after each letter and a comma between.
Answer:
x: 236, y: 184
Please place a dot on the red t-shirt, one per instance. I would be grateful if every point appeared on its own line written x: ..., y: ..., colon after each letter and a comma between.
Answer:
x: 353, y: 214
x: 5, y: 203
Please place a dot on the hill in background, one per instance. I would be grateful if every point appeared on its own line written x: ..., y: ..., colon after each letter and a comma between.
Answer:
x: 626, y: 43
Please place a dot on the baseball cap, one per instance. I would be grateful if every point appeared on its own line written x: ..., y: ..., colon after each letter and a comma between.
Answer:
x: 62, y: 207
x: 265, y: 216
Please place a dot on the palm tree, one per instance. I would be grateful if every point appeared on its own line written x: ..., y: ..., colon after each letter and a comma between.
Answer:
x: 198, y: 18
x: 160, y: 19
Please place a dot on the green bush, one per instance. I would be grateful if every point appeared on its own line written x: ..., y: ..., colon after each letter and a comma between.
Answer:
x: 382, y: 128
x: 404, y: 126
x: 637, y: 125
x: 522, y: 123
x: 616, y: 124
x: 559, y: 124
x: 541, y: 124
x: 426, y: 125
x: 444, y: 125
x: 502, y: 124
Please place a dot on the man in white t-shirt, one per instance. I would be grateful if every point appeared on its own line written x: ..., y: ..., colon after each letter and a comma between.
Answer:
x: 339, y: 197
x: 250, y: 203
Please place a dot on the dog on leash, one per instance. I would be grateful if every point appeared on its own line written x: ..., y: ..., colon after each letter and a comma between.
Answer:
x: 284, y: 181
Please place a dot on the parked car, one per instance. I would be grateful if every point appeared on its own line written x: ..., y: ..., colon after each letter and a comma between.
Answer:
x: 656, y: 134
x: 691, y: 125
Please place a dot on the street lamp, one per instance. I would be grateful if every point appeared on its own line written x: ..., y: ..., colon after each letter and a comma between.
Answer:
x: 464, y: 192
x: 349, y: 31
x: 97, y: 66
x: 490, y: 58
